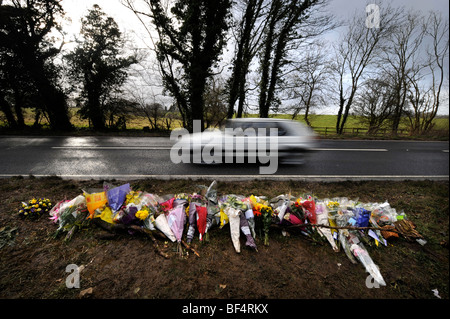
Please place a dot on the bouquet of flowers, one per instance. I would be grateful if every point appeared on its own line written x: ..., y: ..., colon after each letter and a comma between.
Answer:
x: 70, y: 215
x: 309, y: 206
x: 263, y: 216
x: 94, y: 201
x: 35, y: 208
x: 322, y: 219
x: 266, y: 215
x: 234, y: 209
x: 116, y: 195
x: 162, y: 225
x: 192, y: 221
x: 250, y: 216
x: 176, y: 218
x: 201, y: 220
x: 245, y: 228
x: 296, y: 209
x: 212, y: 207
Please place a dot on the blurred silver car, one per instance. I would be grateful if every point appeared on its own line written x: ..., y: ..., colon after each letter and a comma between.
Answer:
x: 251, y: 139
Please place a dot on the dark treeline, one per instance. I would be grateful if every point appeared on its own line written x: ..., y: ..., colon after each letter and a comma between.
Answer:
x: 388, y: 64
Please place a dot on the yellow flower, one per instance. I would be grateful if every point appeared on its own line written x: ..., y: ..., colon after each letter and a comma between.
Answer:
x: 33, y: 201
x: 142, y: 214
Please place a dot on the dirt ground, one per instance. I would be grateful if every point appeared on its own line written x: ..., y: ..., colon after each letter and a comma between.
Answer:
x: 33, y: 264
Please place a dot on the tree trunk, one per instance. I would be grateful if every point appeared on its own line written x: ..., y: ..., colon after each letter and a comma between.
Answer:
x: 242, y: 60
x: 341, y: 107
x: 6, y: 109
x: 53, y: 99
x: 18, y: 99
x: 346, y: 112
x: 197, y: 101
x: 265, y: 67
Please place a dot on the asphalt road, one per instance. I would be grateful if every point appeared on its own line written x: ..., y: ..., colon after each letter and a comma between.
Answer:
x: 149, y: 157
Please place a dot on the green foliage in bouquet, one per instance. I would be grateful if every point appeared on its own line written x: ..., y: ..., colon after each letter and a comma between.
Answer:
x: 297, y: 209
x: 266, y: 216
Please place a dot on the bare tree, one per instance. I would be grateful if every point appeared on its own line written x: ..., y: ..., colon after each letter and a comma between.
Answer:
x: 191, y: 34
x: 426, y: 92
x: 308, y: 82
x: 215, y: 106
x: 290, y: 24
x: 357, y: 52
x: 402, y: 60
x: 248, y: 27
x: 376, y: 102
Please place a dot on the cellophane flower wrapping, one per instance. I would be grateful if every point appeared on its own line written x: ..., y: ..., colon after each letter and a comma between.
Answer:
x: 245, y: 228
x: 322, y: 219
x: 223, y: 218
x: 360, y: 252
x: 167, y: 205
x: 233, y: 216
x: 56, y: 211
x: 176, y: 219
x: 201, y: 220
x: 309, y: 207
x: 95, y: 201
x: 117, y: 195
x: 362, y: 217
x: 212, y: 205
x: 192, y: 221
x: 162, y: 224
x: 105, y: 214
x: 69, y: 213
x: 251, y: 221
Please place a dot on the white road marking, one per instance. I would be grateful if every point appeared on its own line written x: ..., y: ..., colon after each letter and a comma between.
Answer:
x: 352, y: 149
x: 136, y: 148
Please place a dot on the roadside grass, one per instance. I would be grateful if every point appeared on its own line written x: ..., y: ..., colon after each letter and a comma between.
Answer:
x: 138, y: 122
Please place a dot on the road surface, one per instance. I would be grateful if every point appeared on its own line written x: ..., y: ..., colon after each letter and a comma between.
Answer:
x: 149, y: 157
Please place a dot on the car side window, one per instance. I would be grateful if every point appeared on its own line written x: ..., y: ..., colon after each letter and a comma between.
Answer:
x: 281, y: 130
x: 254, y: 126
x: 269, y: 125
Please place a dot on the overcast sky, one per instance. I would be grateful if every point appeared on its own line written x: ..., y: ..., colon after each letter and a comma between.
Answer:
x: 131, y: 27
x: 75, y: 9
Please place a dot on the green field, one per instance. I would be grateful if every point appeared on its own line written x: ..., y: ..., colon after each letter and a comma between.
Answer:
x: 318, y: 122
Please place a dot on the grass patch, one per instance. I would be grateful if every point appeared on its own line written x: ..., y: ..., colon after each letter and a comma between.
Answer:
x: 136, y: 123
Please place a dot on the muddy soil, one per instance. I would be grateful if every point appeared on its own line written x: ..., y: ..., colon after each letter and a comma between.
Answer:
x: 33, y: 264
